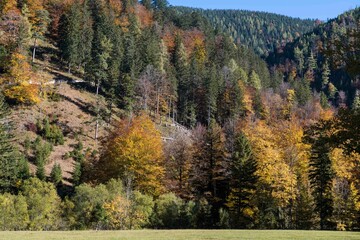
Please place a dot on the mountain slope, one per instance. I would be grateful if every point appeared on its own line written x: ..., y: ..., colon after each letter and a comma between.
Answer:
x: 328, y: 57
x: 262, y: 31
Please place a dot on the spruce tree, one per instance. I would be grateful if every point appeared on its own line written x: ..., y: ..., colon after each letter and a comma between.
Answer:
x: 56, y: 174
x: 243, y: 182
x: 321, y: 173
x: 325, y: 75
x: 9, y: 156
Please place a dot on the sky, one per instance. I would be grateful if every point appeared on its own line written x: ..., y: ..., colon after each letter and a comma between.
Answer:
x: 314, y: 9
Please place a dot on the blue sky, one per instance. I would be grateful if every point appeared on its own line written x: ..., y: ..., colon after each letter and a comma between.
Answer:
x: 322, y: 9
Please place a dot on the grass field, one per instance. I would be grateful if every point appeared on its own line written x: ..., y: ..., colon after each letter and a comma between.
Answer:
x: 179, y: 235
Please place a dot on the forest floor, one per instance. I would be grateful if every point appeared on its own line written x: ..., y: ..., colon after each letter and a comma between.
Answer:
x: 181, y: 235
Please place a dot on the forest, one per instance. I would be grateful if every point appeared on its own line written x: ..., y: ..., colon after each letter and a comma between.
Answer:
x: 126, y: 114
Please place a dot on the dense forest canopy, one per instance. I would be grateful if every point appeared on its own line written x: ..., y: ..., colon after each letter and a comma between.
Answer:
x: 162, y: 120
x: 328, y: 56
x: 264, y: 32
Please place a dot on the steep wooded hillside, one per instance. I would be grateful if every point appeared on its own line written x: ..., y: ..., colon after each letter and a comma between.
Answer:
x: 261, y: 31
x: 128, y: 115
x: 328, y: 58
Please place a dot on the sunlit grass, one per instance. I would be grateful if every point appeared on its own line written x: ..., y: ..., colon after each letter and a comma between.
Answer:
x: 180, y: 235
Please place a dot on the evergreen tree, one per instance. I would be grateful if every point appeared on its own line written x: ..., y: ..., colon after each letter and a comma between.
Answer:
x: 76, y: 35
x: 299, y: 57
x: 254, y: 80
x: 321, y: 173
x: 9, y: 157
x: 76, y: 176
x: 325, y: 75
x: 356, y: 102
x: 243, y: 182
x: 210, y: 176
x: 56, y: 174
x: 40, y: 171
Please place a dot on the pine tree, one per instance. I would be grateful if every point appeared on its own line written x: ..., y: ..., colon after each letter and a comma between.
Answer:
x: 325, y: 75
x: 321, y: 172
x: 356, y: 102
x: 76, y: 176
x: 147, y: 3
x: 299, y: 57
x: 243, y: 182
x: 312, y: 63
x: 56, y: 174
x: 76, y: 35
x: 40, y: 171
x: 9, y: 157
x: 254, y: 80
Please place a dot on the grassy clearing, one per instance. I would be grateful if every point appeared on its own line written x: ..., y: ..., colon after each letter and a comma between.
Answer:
x: 180, y: 235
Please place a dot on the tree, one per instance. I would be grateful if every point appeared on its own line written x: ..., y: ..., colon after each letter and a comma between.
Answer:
x: 209, y: 176
x: 321, y: 172
x: 97, y: 70
x: 56, y: 174
x: 89, y: 202
x: 254, y: 80
x: 14, y: 212
x: 39, y: 19
x: 76, y: 35
x: 43, y: 204
x: 9, y: 157
x: 7, y: 5
x: 134, y: 154
x: 299, y: 57
x: 243, y: 183
x: 146, y: 3
x: 325, y: 75
x: 178, y: 164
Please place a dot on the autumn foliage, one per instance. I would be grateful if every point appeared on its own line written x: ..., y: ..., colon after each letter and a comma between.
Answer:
x: 134, y: 153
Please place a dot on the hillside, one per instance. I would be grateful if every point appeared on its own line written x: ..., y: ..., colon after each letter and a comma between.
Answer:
x: 121, y: 115
x: 327, y: 57
x: 261, y: 31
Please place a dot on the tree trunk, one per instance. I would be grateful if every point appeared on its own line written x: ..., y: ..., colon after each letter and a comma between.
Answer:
x: 97, y: 111
x: 34, y: 50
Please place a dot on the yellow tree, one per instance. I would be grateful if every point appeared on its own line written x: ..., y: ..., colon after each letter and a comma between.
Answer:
x: 17, y: 81
x: 7, y: 5
x: 272, y: 169
x: 134, y: 153
x: 277, y: 182
x: 345, y: 188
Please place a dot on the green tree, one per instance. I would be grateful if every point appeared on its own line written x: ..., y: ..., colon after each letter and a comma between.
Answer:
x: 243, y: 183
x: 254, y: 80
x: 76, y: 35
x: 43, y: 204
x: 325, y: 75
x: 14, y: 212
x: 56, y: 174
x: 9, y: 156
x: 321, y: 172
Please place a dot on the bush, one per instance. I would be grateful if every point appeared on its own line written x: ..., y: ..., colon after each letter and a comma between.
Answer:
x: 171, y: 212
x: 50, y: 132
x: 77, y: 153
